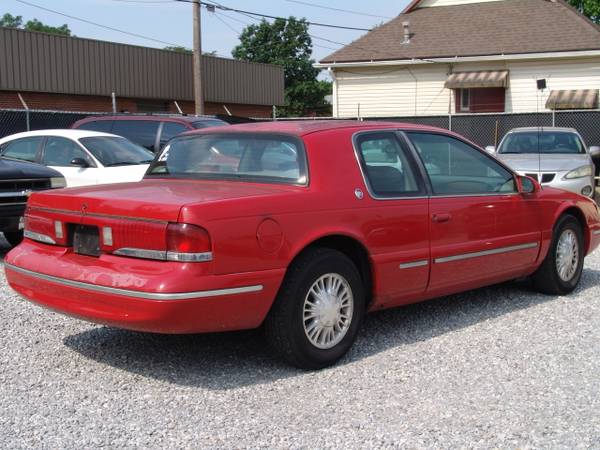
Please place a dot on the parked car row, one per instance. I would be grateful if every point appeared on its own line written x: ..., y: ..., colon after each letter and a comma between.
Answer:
x: 299, y: 228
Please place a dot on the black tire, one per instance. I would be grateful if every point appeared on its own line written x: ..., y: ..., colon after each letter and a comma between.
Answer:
x: 14, y: 238
x: 284, y: 326
x: 547, y: 279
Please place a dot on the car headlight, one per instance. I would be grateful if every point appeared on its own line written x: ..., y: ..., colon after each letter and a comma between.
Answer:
x: 58, y: 182
x: 580, y: 172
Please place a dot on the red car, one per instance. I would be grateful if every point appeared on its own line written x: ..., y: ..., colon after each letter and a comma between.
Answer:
x: 316, y: 224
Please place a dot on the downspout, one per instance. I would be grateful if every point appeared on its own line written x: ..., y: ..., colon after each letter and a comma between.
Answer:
x: 335, y: 110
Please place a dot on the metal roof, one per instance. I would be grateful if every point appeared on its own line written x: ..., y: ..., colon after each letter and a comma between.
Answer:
x: 42, y: 62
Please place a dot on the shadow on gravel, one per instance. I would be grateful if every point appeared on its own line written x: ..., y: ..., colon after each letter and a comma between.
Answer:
x: 231, y: 360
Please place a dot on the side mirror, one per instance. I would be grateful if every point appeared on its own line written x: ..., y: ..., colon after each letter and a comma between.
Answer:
x: 527, y: 185
x: 490, y: 149
x: 594, y: 151
x: 79, y: 162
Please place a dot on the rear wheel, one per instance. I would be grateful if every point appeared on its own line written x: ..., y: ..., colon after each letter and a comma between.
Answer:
x: 318, y: 311
x: 14, y: 238
x: 560, y: 272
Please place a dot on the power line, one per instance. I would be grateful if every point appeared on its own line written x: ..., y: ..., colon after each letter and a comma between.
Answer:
x: 97, y: 24
x: 338, y: 9
x: 266, y: 16
x: 216, y: 15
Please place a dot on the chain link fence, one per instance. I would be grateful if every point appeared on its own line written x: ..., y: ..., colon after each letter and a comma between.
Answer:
x: 483, y: 129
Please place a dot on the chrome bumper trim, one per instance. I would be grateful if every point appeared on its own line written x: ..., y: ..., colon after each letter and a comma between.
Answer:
x: 412, y: 265
x: 39, y: 237
x: 596, y: 232
x: 136, y: 294
x: 495, y: 251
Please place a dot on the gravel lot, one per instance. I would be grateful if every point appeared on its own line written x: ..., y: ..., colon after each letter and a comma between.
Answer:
x: 497, y: 368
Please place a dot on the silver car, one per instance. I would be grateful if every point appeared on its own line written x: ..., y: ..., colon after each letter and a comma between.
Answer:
x: 555, y: 157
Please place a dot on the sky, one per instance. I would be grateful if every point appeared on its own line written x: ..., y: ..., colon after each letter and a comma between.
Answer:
x: 171, y: 22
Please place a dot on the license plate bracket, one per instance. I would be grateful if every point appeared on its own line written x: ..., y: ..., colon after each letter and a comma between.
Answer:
x: 86, y: 240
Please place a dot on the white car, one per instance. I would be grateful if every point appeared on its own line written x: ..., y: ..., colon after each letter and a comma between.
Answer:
x: 83, y: 157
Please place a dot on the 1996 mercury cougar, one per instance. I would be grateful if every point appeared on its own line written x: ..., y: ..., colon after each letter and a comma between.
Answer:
x: 300, y: 228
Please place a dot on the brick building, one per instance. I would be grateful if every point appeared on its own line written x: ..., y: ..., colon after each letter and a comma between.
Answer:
x: 52, y: 72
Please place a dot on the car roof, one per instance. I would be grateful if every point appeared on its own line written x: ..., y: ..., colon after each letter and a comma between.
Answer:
x: 151, y: 117
x: 543, y: 129
x: 72, y: 134
x: 305, y: 127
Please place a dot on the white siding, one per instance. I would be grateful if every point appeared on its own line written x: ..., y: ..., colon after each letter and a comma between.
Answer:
x: 432, y: 3
x: 419, y: 90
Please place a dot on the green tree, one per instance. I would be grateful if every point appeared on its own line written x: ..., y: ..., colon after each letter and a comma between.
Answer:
x: 10, y: 21
x: 590, y: 8
x: 288, y: 44
x: 36, y: 25
x: 178, y: 49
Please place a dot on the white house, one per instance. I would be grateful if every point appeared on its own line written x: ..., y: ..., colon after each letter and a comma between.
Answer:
x: 470, y: 56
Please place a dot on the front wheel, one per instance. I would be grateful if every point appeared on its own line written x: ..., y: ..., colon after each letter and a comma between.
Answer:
x: 318, y: 311
x: 560, y: 272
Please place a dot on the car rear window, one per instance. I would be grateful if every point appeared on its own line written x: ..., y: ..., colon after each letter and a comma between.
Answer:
x: 242, y: 156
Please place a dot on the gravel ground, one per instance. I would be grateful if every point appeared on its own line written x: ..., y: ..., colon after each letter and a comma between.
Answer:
x: 501, y: 367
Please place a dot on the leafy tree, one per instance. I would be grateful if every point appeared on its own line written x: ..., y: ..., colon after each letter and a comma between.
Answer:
x: 178, y: 49
x: 10, y: 21
x: 188, y: 51
x: 590, y: 8
x: 36, y: 25
x: 288, y: 44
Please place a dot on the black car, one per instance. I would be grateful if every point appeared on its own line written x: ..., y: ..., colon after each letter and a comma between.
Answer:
x: 18, y: 179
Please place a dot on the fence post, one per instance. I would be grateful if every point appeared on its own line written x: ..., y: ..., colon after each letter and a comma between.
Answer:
x: 553, y: 117
x: 114, y: 102
x: 27, y: 121
x: 450, y: 122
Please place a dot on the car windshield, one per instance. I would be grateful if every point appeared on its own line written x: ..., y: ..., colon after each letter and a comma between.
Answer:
x: 544, y: 142
x: 209, y: 123
x: 249, y: 157
x: 116, y: 151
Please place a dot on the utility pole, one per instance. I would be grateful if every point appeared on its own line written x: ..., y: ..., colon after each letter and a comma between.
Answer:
x: 198, y: 92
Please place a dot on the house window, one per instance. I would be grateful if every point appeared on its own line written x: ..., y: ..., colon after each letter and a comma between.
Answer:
x: 480, y: 100
x: 465, y: 100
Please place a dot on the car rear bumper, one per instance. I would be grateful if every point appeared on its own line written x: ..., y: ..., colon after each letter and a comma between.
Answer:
x: 242, y: 301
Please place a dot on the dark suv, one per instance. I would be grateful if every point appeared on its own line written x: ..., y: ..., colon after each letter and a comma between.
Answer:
x: 152, y: 132
x: 18, y: 179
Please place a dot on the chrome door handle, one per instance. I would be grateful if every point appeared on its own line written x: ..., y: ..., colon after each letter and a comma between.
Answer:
x: 441, y: 218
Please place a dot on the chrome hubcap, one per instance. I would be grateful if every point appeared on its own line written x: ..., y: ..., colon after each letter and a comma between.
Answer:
x: 327, y: 311
x: 567, y: 255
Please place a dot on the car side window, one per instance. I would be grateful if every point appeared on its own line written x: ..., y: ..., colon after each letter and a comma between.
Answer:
x: 142, y: 132
x: 60, y: 152
x: 25, y: 149
x: 389, y: 170
x: 170, y: 130
x: 456, y: 168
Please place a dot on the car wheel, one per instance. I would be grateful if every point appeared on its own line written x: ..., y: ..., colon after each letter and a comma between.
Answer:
x: 14, y: 238
x: 560, y: 272
x: 318, y: 311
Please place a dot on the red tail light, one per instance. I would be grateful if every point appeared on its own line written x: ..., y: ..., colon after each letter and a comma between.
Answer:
x: 186, y: 238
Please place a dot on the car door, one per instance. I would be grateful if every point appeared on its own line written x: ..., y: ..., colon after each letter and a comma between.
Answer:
x: 482, y: 229
x: 397, y: 217
x: 59, y: 153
